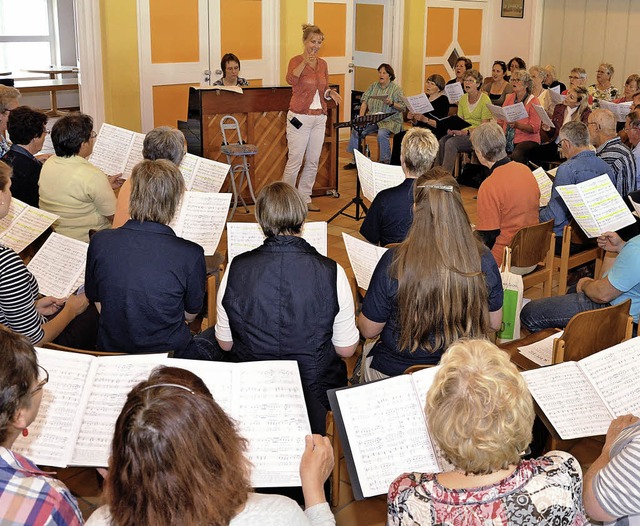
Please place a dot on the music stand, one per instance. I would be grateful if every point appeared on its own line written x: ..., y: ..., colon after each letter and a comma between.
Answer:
x: 358, y: 125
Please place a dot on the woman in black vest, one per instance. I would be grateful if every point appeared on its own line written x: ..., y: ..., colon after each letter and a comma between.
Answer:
x: 285, y: 301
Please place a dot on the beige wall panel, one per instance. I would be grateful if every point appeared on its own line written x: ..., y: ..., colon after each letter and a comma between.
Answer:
x: 593, y: 37
x: 552, y: 34
x: 632, y: 59
x: 615, y: 44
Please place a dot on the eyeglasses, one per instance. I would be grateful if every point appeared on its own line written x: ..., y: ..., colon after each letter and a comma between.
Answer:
x: 574, y: 77
x: 42, y: 382
x: 93, y: 135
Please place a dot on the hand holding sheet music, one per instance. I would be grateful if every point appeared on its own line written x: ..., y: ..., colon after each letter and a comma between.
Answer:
x: 418, y: 103
x: 512, y: 113
x: 596, y: 206
x: 363, y: 257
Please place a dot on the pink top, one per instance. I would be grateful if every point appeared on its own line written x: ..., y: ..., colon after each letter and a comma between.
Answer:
x: 306, y: 85
x: 533, y: 120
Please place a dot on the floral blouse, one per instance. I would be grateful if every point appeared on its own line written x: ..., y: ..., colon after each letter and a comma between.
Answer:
x: 603, y: 94
x: 544, y: 491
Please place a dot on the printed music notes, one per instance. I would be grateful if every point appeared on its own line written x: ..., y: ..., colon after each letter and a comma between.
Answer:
x: 384, y: 432
x: 596, y: 206
x: 23, y: 224
x: 203, y: 175
x: 243, y: 237
x: 201, y: 217
x: 540, y: 352
x: 59, y: 265
x: 581, y: 398
x: 511, y: 113
x: 418, y: 103
x: 363, y: 257
x: 544, y: 184
x: 375, y: 177
x: 454, y: 92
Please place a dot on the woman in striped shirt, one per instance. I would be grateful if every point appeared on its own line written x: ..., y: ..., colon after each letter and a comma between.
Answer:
x: 20, y: 309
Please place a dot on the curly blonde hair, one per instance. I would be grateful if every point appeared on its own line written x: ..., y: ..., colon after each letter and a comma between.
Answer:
x: 479, y: 408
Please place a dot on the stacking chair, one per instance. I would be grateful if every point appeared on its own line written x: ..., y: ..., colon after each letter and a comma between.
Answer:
x: 592, y: 331
x: 58, y: 347
x: 418, y: 367
x: 238, y: 150
x: 566, y: 261
x: 535, y: 245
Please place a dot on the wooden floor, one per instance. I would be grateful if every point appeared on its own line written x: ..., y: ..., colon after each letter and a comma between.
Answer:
x: 370, y: 512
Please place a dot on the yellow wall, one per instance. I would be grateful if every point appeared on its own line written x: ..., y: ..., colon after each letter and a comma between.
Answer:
x: 293, y: 13
x: 412, y: 59
x: 120, y: 63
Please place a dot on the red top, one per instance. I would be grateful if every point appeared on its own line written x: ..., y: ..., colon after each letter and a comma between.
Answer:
x: 305, y: 86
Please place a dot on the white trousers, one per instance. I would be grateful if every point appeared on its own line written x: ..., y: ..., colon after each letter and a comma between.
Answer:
x: 305, y: 143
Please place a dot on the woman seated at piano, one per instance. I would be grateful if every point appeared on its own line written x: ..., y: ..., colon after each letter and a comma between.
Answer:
x: 440, y: 258
x: 177, y: 459
x: 41, y: 320
x: 480, y: 415
x: 230, y: 66
x: 28, y: 494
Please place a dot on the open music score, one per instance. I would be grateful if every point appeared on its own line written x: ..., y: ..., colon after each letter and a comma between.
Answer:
x: 243, y: 237
x: 384, y: 432
x: 59, y: 265
x: 201, y: 217
x: 23, y: 224
x: 511, y: 113
x: 545, y: 184
x: 581, y: 398
x: 85, y: 395
x: 596, y: 206
x: 363, y: 257
x: 620, y: 110
x: 419, y: 103
x: 375, y: 177
x: 454, y: 92
x: 118, y: 150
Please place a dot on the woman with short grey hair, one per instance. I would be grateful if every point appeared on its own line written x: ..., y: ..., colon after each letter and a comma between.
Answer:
x: 603, y: 89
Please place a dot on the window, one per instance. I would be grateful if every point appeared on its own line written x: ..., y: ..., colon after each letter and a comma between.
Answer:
x: 28, y: 36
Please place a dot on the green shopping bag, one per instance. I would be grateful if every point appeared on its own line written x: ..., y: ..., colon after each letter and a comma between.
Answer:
x: 512, y: 303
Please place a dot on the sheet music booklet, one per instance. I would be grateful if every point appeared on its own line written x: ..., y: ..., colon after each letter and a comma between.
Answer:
x: 59, y: 265
x: 581, y: 398
x: 620, y: 109
x: 85, y: 395
x: 384, y: 432
x: 544, y: 184
x: 596, y: 206
x: 454, y: 92
x: 541, y: 352
x: 363, y: 257
x: 201, y: 217
x: 511, y: 113
x: 418, y: 104
x: 243, y: 237
x: 375, y: 177
x: 118, y: 150
x: 23, y: 224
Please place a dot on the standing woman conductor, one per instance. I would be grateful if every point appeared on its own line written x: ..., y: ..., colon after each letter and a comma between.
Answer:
x: 307, y: 116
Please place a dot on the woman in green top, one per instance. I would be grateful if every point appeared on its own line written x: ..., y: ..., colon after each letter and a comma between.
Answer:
x: 372, y: 102
x: 472, y: 108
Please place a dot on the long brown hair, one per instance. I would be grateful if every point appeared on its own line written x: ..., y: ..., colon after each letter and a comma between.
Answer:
x: 442, y: 294
x: 176, y: 457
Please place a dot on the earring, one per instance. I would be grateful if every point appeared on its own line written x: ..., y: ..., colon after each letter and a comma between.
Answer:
x: 25, y: 432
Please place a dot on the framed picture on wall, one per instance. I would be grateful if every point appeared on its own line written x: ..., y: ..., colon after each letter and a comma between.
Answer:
x: 512, y: 9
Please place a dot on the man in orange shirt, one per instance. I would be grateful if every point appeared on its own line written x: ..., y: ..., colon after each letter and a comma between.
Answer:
x: 509, y: 198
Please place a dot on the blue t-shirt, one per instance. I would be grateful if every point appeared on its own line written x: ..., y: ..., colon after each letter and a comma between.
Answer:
x: 390, y: 215
x: 625, y: 276
x: 380, y: 306
x: 145, y: 278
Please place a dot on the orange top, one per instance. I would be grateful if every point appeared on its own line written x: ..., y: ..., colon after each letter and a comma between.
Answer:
x: 306, y: 85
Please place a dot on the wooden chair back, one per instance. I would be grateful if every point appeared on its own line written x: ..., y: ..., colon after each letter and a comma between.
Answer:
x: 593, y: 331
x: 572, y: 233
x: 535, y: 245
x: 417, y: 367
x: 58, y: 347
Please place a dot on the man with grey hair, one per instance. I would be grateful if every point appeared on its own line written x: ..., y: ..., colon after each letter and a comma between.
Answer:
x: 391, y: 212
x: 509, y: 198
x: 582, y: 165
x: 632, y: 128
x: 163, y: 142
x: 609, y: 147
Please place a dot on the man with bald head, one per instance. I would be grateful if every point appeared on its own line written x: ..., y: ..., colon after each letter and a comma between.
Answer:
x: 609, y: 147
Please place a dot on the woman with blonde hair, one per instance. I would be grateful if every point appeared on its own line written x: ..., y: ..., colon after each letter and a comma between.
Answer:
x: 177, y: 459
x: 440, y: 284
x: 480, y: 415
x: 308, y: 76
